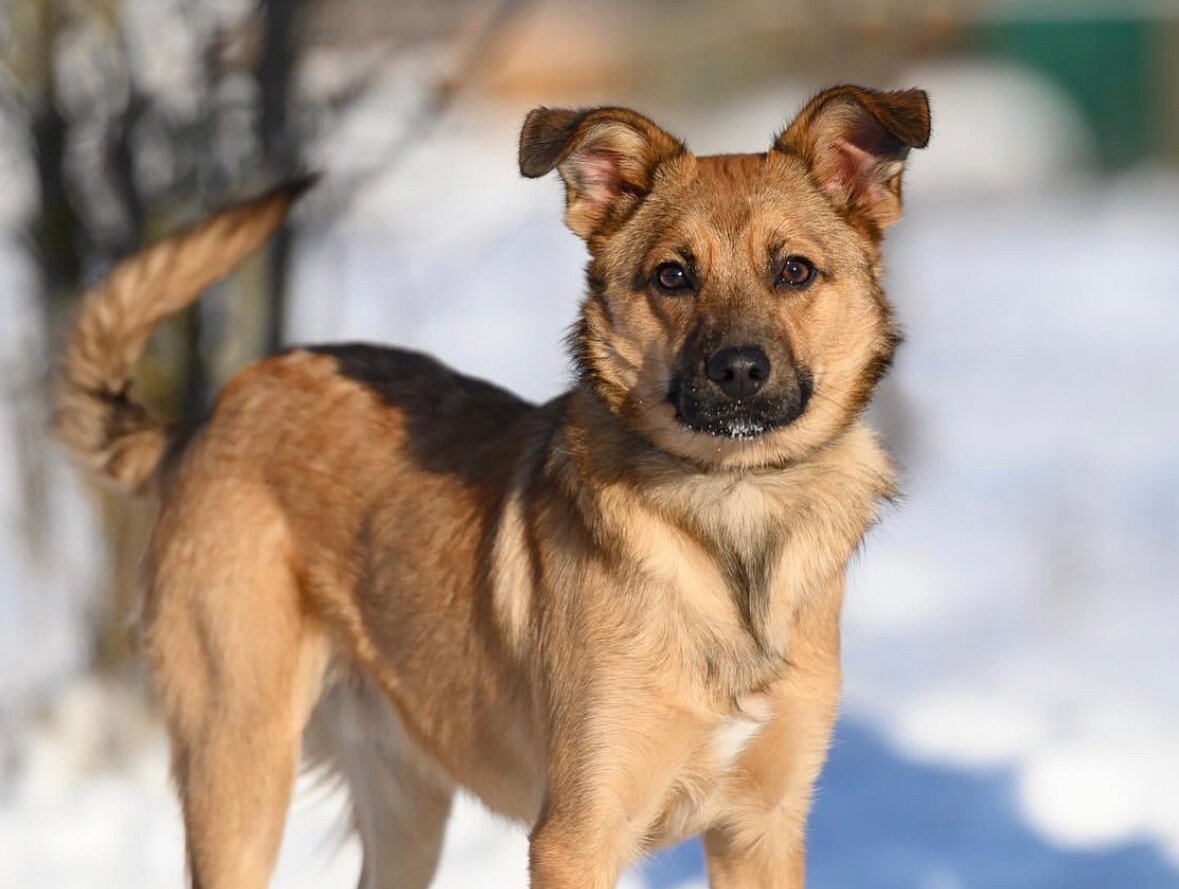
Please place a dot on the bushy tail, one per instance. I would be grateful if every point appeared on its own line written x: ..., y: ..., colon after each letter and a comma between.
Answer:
x: 94, y: 414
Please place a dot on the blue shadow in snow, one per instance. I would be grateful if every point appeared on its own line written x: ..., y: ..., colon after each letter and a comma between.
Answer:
x: 884, y: 821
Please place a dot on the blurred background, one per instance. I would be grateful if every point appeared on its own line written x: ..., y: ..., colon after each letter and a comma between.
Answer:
x: 1011, y: 716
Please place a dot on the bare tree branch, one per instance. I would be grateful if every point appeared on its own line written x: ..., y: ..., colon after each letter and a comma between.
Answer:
x: 432, y: 108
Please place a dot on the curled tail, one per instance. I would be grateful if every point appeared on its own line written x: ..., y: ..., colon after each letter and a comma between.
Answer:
x: 94, y: 414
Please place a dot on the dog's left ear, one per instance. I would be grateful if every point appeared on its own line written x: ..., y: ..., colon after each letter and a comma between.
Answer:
x: 607, y: 157
x: 855, y: 141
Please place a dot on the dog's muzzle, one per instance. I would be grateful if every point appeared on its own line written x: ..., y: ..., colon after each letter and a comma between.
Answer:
x: 735, y: 392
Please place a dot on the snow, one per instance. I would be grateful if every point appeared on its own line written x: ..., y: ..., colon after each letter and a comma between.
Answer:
x: 1043, y: 509
x: 1011, y: 714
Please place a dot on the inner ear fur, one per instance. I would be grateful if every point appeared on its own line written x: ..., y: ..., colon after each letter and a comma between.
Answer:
x: 855, y: 141
x: 607, y: 158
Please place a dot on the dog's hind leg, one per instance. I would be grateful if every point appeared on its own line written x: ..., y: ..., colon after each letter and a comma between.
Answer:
x: 237, y: 663
x: 401, y: 800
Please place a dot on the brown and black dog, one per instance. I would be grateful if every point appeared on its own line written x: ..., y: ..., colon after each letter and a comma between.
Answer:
x: 613, y: 617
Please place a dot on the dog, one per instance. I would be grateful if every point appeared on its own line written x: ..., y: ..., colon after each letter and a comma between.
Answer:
x: 613, y: 617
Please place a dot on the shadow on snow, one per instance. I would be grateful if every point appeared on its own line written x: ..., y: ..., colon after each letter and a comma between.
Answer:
x: 884, y: 821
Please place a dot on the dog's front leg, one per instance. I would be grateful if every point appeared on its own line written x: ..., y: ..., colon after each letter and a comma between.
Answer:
x: 760, y: 841
x: 565, y: 851
x: 610, y: 779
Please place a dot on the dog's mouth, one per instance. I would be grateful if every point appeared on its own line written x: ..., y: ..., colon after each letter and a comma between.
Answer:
x: 742, y: 419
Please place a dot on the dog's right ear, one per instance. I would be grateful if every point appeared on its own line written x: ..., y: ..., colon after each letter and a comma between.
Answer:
x: 607, y: 157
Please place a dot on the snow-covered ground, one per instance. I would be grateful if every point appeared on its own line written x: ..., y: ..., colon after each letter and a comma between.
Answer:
x: 1011, y: 716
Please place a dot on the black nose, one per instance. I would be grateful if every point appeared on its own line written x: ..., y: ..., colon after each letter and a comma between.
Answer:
x: 739, y: 371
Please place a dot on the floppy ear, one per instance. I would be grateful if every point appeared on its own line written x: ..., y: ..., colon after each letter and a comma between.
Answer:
x: 607, y: 157
x: 855, y: 141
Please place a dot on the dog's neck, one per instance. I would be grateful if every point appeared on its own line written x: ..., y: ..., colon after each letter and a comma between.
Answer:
x: 777, y: 536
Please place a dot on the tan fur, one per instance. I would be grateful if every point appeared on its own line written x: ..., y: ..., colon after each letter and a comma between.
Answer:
x: 93, y: 415
x: 604, y: 624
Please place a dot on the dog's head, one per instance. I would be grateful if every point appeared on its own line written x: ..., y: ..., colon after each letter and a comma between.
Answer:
x: 734, y: 314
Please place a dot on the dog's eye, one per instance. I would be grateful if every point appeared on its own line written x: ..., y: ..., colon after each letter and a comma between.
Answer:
x: 672, y: 276
x: 796, y: 272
